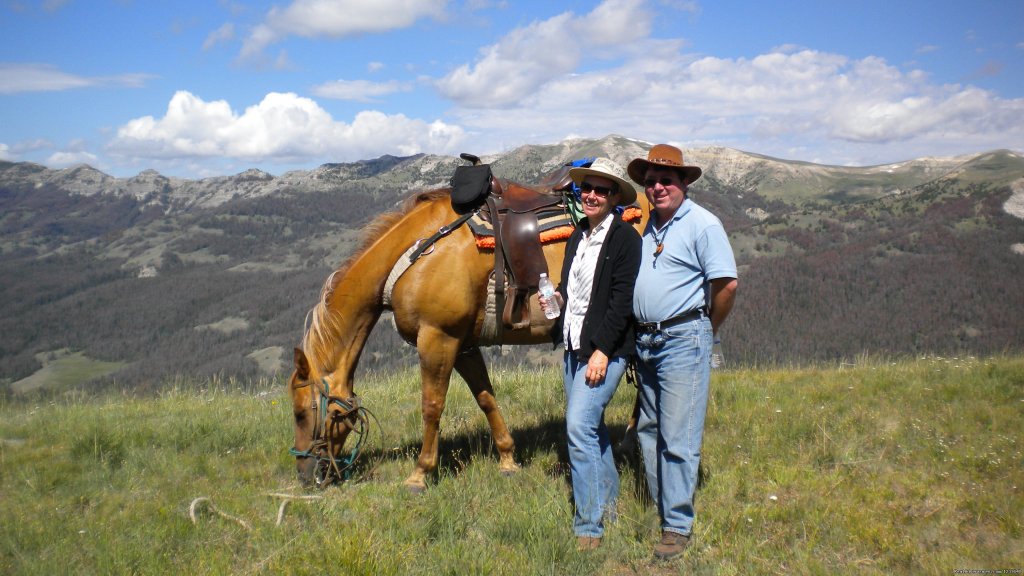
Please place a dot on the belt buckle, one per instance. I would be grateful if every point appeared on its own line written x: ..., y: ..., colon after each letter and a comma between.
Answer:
x: 649, y: 327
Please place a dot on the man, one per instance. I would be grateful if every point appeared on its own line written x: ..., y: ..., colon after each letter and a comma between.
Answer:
x: 684, y: 291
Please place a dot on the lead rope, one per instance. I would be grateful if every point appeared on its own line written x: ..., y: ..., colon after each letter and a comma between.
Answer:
x: 326, y: 469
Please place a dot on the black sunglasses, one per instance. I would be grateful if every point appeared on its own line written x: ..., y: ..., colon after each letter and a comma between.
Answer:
x: 664, y: 181
x: 599, y: 190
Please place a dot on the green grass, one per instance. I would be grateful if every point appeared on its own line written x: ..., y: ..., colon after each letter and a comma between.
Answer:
x: 62, y: 369
x: 912, y: 467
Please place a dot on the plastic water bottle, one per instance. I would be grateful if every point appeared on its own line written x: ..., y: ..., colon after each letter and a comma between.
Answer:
x: 547, y: 292
x: 717, y: 360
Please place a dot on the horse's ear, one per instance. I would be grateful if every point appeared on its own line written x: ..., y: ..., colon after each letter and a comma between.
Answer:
x: 301, y: 364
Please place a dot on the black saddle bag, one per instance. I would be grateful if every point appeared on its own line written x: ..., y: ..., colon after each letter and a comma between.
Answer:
x: 470, y: 187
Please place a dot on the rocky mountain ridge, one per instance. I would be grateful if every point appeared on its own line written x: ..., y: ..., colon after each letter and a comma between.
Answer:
x: 743, y: 171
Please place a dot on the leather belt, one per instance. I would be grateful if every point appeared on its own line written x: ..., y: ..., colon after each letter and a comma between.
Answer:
x: 649, y: 327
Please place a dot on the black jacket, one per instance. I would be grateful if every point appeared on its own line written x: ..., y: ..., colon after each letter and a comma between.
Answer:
x: 608, y: 324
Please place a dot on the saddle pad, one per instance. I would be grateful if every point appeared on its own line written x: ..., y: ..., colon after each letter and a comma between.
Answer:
x: 554, y: 226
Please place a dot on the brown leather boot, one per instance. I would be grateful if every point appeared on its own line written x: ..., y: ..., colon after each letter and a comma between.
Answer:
x: 587, y: 542
x: 672, y: 544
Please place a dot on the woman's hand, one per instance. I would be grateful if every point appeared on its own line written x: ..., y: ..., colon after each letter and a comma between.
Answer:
x: 597, y: 367
x: 544, y: 302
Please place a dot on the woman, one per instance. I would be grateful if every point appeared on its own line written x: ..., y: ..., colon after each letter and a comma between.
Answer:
x: 596, y: 295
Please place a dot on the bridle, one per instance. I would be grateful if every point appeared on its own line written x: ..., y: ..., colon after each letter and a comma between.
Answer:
x: 326, y: 467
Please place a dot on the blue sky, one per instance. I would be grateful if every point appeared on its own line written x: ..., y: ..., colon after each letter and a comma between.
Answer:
x: 196, y: 89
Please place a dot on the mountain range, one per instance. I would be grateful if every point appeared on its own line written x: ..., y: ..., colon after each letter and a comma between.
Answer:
x: 132, y: 281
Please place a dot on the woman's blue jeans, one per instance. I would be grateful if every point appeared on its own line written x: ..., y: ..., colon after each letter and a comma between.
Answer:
x: 674, y: 369
x: 595, y: 481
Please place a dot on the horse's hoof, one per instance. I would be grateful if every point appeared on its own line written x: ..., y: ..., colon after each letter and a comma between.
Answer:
x: 415, y: 487
x: 509, y: 473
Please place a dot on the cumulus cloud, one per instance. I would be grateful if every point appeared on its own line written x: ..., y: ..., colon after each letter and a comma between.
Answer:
x: 773, y: 102
x: 18, y: 77
x: 338, y: 19
x: 359, y: 90
x: 5, y: 152
x: 283, y: 127
x: 529, y: 57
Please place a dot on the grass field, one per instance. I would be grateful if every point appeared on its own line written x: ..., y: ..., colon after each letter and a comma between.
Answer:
x: 912, y: 467
x: 62, y: 368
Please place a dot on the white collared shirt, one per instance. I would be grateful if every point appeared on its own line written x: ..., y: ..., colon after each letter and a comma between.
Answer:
x: 581, y: 282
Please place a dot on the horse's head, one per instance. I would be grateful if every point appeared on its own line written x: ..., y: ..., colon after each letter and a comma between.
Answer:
x: 324, y: 418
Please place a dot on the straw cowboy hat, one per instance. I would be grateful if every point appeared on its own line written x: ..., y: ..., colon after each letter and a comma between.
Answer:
x: 606, y: 168
x: 666, y: 156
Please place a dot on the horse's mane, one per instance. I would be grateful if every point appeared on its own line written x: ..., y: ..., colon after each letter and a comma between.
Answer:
x: 321, y: 321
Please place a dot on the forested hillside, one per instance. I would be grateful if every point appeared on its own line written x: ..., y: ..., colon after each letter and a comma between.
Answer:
x: 831, y: 266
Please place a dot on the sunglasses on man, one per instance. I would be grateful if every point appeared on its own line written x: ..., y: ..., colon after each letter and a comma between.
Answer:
x: 665, y: 181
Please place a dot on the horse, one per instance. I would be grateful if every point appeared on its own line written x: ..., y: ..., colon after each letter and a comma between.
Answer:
x: 438, y: 305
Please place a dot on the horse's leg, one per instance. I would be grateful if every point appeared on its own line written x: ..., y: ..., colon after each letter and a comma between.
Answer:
x: 437, y: 353
x: 470, y: 365
x: 629, y: 441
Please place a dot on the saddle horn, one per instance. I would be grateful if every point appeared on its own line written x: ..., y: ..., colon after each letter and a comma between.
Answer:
x: 475, y: 160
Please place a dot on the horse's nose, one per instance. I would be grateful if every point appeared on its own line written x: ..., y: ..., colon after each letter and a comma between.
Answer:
x: 304, y: 467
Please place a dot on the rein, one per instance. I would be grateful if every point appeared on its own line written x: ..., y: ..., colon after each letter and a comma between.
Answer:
x: 328, y: 468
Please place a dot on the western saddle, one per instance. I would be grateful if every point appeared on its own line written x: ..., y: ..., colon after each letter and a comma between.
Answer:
x: 513, y: 212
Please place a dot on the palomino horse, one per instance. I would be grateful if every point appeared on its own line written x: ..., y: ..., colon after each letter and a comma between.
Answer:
x: 438, y: 306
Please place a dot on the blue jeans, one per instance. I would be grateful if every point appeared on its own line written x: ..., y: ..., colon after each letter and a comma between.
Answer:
x: 674, y: 369
x: 595, y: 481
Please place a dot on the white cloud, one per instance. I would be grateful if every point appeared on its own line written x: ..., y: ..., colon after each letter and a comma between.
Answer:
x: 358, y: 90
x: 31, y: 145
x: 858, y: 111
x: 223, y: 34
x: 16, y: 78
x: 283, y: 127
x: 338, y: 19
x: 527, y: 58
x: 31, y: 77
x: 71, y: 158
x: 530, y: 86
x: 5, y: 153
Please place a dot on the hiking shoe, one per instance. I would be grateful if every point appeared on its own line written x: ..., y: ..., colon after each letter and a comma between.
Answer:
x: 672, y: 544
x: 587, y: 542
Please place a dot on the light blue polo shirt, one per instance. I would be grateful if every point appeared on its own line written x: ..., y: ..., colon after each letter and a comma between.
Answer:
x: 696, y: 251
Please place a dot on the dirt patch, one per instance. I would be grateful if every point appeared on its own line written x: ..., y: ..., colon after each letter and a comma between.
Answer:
x: 268, y: 359
x: 227, y: 325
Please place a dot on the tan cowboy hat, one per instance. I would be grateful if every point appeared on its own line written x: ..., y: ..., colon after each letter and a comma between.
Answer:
x: 606, y: 168
x: 662, y: 155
